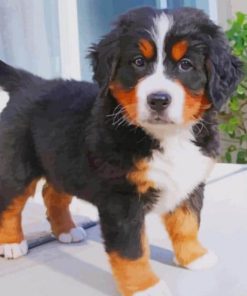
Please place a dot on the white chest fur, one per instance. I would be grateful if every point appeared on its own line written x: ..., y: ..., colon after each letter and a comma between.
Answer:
x: 178, y: 170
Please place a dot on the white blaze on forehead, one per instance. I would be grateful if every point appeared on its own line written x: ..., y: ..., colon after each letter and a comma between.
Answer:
x: 162, y: 24
x: 4, y: 99
x: 157, y: 81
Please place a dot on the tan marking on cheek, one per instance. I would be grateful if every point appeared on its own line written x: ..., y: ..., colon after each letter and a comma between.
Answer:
x: 58, y: 212
x: 138, y: 176
x: 10, y: 219
x: 126, y: 98
x: 194, y: 106
x: 146, y: 48
x: 179, y: 50
x: 182, y: 226
x: 133, y: 275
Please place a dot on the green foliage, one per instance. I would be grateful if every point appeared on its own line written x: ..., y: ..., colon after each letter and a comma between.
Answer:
x: 234, y: 118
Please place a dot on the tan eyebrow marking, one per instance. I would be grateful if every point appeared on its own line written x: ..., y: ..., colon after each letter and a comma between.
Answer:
x: 179, y: 50
x: 146, y: 48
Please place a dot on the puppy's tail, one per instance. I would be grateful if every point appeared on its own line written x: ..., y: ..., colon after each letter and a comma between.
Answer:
x: 12, y: 78
x: 9, y: 77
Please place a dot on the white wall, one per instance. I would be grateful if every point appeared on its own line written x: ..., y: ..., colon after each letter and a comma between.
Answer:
x: 228, y: 8
x: 239, y: 5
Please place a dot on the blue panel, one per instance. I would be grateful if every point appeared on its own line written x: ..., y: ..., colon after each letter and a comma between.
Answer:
x: 175, y: 3
x: 202, y: 4
x: 95, y: 18
x: 190, y: 3
x: 122, y: 6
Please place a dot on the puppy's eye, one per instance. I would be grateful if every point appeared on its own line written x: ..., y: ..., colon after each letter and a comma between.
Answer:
x: 185, y: 65
x: 139, y: 62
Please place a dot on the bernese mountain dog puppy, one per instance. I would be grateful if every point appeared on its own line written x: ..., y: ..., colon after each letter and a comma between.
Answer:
x: 144, y: 138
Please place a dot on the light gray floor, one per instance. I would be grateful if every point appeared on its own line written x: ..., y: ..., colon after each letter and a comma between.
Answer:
x: 82, y: 269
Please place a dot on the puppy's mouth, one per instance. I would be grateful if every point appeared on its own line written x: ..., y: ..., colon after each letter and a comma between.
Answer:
x: 157, y: 118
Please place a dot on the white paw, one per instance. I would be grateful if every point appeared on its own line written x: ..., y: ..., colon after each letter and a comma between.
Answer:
x: 204, y: 262
x: 159, y: 289
x: 13, y: 251
x: 75, y: 235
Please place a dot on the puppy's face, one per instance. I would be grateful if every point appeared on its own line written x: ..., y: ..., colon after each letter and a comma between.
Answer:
x: 165, y: 66
x: 160, y: 80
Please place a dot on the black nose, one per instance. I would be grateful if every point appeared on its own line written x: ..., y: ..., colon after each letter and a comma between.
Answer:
x: 159, y: 101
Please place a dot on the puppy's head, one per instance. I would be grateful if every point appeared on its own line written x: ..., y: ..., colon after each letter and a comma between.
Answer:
x: 165, y: 68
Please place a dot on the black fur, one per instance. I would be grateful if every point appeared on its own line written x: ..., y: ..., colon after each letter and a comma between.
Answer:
x: 207, y: 135
x: 60, y: 130
x: 195, y: 201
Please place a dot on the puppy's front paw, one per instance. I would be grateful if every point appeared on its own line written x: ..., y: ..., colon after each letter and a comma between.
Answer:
x: 75, y: 235
x: 13, y: 251
x: 160, y: 289
x: 206, y: 261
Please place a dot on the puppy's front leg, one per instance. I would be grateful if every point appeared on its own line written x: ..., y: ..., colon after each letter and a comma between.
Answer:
x: 128, y: 251
x: 183, y: 226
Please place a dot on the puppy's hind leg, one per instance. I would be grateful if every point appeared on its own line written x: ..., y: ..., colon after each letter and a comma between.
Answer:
x: 12, y: 242
x: 58, y: 214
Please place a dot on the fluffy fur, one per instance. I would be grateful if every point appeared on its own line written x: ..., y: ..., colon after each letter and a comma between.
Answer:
x: 109, y: 144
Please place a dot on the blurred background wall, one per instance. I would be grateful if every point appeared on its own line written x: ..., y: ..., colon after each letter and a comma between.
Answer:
x: 226, y: 9
x: 51, y: 37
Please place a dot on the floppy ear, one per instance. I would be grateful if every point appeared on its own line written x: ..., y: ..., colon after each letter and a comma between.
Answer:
x: 104, y: 60
x: 224, y: 69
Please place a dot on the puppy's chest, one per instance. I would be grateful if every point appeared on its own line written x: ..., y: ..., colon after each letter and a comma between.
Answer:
x: 177, y: 171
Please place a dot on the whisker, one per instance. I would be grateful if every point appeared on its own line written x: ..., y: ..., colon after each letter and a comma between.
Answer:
x: 120, y: 118
x: 203, y: 126
x: 207, y: 122
x: 113, y: 113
